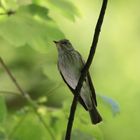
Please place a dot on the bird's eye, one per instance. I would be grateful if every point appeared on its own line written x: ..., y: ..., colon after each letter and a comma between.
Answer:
x: 64, y: 42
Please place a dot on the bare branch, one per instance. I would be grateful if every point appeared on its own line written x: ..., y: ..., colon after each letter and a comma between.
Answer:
x: 85, y: 70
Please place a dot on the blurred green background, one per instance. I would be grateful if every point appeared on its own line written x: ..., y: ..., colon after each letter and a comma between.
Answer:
x: 26, y: 46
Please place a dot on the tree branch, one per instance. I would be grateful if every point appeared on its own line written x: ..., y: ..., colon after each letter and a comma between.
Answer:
x: 9, y: 93
x: 27, y: 97
x: 85, y: 70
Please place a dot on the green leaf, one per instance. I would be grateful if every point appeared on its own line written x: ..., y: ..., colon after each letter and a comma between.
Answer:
x: 50, y: 70
x: 111, y: 103
x: 3, y: 110
x: 35, y: 10
x: 9, y: 4
x: 65, y: 7
x: 31, y: 128
x: 2, y: 136
x: 23, y: 28
x: 77, y: 134
x: 58, y: 122
x: 42, y: 99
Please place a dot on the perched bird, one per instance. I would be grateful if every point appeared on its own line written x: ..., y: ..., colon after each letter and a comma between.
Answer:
x: 70, y: 64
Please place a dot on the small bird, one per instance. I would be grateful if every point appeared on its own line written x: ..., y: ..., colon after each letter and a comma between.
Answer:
x: 70, y: 64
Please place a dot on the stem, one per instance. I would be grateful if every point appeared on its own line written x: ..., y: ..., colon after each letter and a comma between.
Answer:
x: 9, y: 92
x: 85, y: 70
x: 27, y: 97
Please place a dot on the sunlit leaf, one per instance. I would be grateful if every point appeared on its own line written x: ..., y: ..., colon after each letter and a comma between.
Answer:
x: 9, y: 4
x: 35, y: 10
x: 64, y: 7
x: 31, y: 128
x: 42, y: 99
x: 21, y: 29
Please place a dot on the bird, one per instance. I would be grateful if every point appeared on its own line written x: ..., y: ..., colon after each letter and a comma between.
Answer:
x: 70, y: 64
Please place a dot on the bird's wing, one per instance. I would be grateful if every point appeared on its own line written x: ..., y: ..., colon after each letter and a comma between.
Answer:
x: 72, y: 90
x: 90, y: 83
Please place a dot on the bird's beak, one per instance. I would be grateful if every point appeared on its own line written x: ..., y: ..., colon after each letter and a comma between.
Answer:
x: 56, y: 42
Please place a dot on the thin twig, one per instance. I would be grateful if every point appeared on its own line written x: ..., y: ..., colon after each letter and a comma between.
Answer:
x: 85, y: 69
x: 27, y: 97
x: 13, y: 79
x: 9, y: 93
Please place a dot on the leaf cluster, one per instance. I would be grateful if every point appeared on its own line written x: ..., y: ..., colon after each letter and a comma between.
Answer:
x: 27, y: 31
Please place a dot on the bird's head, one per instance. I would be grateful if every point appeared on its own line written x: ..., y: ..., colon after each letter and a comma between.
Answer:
x: 63, y: 45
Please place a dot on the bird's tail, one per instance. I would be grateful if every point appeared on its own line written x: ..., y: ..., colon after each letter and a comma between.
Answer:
x: 95, y: 116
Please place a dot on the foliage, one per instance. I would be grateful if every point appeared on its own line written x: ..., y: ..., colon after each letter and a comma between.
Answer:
x: 26, y: 44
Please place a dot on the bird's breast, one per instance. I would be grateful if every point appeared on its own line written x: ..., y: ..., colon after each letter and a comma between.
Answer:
x: 70, y: 67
